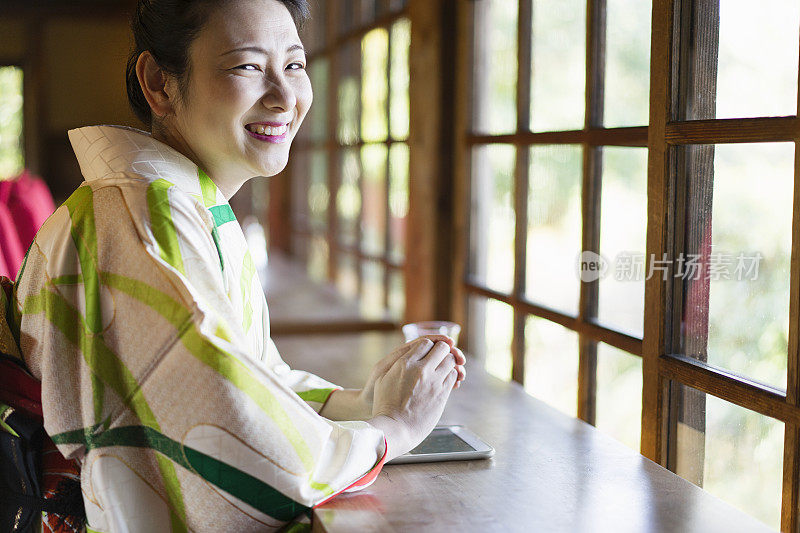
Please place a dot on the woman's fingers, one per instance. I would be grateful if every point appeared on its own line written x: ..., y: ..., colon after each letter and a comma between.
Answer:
x: 443, y: 338
x: 447, y: 363
x: 435, y: 355
x: 459, y: 355
x: 419, y: 348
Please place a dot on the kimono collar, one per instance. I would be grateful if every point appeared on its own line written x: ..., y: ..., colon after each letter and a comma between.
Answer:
x: 106, y: 150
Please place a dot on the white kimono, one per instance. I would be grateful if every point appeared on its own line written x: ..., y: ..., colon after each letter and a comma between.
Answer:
x: 139, y: 308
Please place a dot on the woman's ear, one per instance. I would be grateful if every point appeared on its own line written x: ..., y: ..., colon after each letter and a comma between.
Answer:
x: 154, y: 83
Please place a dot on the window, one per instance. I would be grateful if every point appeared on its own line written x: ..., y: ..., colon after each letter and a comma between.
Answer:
x: 634, y: 243
x: 559, y: 167
x: 11, y: 141
x: 349, y: 170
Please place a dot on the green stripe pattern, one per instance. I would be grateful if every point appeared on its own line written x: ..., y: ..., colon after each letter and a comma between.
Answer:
x: 242, y: 485
x: 162, y: 224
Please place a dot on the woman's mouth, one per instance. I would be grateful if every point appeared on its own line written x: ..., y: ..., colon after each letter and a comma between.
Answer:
x: 268, y: 132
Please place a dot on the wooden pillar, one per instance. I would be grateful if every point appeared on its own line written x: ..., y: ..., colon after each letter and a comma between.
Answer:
x: 429, y: 248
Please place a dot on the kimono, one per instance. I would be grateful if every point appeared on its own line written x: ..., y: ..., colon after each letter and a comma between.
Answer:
x: 139, y: 308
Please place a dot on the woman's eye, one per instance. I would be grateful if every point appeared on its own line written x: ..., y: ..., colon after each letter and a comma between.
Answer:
x: 248, y: 66
x: 296, y: 66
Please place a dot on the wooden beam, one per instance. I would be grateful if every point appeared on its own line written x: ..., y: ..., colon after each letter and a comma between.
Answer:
x: 319, y: 328
x: 334, y: 165
x: 521, y: 179
x: 790, y: 501
x: 594, y: 331
x: 657, y: 306
x: 734, y: 130
x: 462, y: 170
x: 729, y: 387
x: 425, y: 159
x: 592, y: 135
x: 591, y: 191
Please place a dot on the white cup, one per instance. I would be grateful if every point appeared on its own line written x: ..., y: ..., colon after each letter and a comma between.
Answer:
x: 432, y: 327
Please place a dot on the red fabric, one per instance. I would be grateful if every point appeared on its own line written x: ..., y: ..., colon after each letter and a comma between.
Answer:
x: 30, y: 203
x: 10, y: 246
x: 364, y: 480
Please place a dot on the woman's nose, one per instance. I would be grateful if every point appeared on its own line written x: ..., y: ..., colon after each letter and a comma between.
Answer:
x: 279, y: 95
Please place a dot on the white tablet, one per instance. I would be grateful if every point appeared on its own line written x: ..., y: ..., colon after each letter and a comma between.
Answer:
x: 447, y: 443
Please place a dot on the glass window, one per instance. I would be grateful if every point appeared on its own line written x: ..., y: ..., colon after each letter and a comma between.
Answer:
x: 559, y: 65
x: 758, y: 55
x: 623, y: 228
x: 492, y: 217
x: 554, y: 226
x: 11, y: 148
x: 551, y: 364
x: 741, y: 453
x: 496, y: 67
x: 627, y: 73
x: 741, y: 263
x: 619, y: 394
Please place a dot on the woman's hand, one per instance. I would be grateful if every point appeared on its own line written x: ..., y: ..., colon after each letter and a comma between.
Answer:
x: 410, y: 396
x: 383, y: 366
x: 356, y: 404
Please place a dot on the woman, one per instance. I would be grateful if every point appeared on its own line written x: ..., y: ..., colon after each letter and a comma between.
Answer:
x: 139, y: 308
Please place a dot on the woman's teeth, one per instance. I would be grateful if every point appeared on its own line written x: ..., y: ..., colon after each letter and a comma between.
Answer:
x: 268, y: 130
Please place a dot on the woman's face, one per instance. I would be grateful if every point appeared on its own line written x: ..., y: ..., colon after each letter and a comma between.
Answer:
x: 248, y: 91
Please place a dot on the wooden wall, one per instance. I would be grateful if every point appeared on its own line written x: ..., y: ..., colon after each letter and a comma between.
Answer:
x: 74, y: 76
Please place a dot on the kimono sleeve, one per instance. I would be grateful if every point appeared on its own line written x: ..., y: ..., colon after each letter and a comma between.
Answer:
x: 311, y: 388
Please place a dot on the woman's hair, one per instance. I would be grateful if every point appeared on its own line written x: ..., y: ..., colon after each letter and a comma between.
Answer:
x: 166, y: 28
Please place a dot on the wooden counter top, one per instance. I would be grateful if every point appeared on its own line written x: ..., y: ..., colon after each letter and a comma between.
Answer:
x: 550, y: 472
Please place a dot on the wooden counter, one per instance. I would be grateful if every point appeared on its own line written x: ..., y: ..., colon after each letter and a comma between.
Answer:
x: 551, y: 472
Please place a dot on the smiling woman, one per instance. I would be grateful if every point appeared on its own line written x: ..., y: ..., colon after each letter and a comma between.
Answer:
x: 140, y: 310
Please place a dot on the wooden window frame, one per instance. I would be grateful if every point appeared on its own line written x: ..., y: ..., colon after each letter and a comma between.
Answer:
x: 662, y: 363
x: 336, y: 41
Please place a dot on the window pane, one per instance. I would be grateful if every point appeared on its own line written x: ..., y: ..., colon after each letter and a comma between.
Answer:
x: 623, y: 226
x: 741, y: 453
x: 11, y: 155
x: 319, y: 74
x: 495, y: 76
x: 745, y: 270
x: 318, y: 194
x: 757, y: 72
x: 300, y: 185
x: 619, y: 394
x: 398, y: 199
x: 348, y: 200
x: 399, y: 107
x: 347, y: 275
x: 372, y: 289
x: 374, y: 85
x: 554, y: 225
x: 318, y: 258
x: 559, y: 65
x: 397, y: 294
x: 551, y: 364
x: 492, y: 217
x: 491, y: 326
x: 627, y: 75
x: 349, y: 99
x: 373, y: 225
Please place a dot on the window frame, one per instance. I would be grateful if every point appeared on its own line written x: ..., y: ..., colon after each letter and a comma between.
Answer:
x: 337, y: 39
x: 661, y: 364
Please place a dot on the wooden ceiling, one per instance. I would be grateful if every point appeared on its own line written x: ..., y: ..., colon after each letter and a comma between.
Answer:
x: 101, y: 8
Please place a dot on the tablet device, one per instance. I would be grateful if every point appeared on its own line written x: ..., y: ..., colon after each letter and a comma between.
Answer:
x: 447, y: 443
